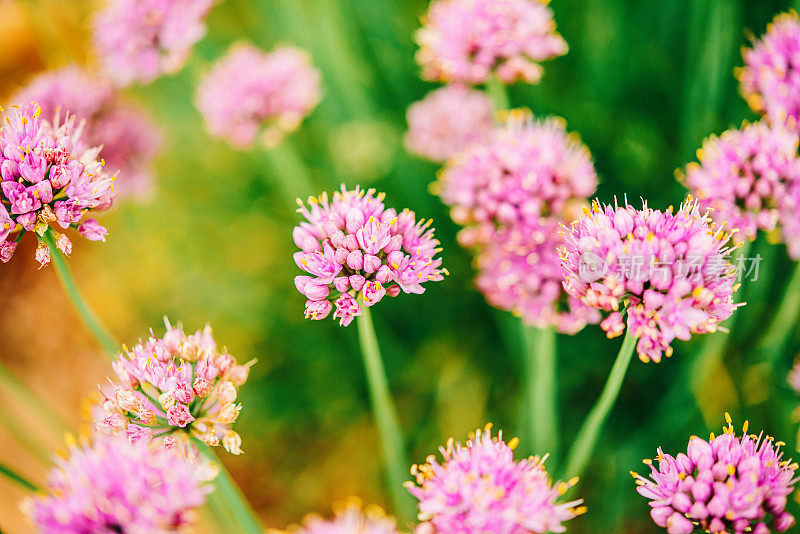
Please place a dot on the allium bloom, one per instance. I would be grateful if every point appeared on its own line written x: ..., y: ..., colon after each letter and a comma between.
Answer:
x: 520, y: 271
x: 726, y: 484
x: 479, y: 488
x: 525, y: 170
x: 251, y: 92
x: 47, y: 178
x: 771, y: 75
x: 746, y: 177
x: 447, y: 120
x: 668, y: 271
x: 140, y: 40
x: 350, y: 519
x: 176, y: 385
x: 128, y: 138
x: 468, y: 40
x: 118, y: 486
x: 356, y: 251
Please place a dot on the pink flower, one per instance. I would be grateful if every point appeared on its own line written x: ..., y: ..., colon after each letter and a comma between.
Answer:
x: 448, y: 120
x: 771, y: 75
x: 469, y: 40
x: 353, y: 246
x: 140, y: 40
x: 179, y: 415
x: 747, y: 178
x: 725, y: 484
x: 91, y: 230
x: 176, y: 385
x: 39, y: 163
x: 479, y: 488
x: 525, y: 170
x: 519, y: 270
x: 349, y: 518
x: 250, y: 93
x: 668, y: 271
x: 116, y: 485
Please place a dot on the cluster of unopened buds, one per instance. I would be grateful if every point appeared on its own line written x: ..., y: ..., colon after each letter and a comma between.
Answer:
x: 356, y: 251
x: 178, y: 385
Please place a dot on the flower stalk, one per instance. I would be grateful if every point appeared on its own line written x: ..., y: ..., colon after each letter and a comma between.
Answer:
x: 17, y: 478
x: 584, y: 444
x: 395, y: 463
x: 540, y: 367
x: 89, y: 317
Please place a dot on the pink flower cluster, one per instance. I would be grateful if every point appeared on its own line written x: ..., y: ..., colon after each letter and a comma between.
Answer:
x: 525, y: 171
x: 771, y: 75
x: 668, y: 271
x: 520, y: 271
x: 140, y: 40
x: 349, y: 518
x: 129, y: 139
x: 117, y: 486
x: 175, y: 386
x: 251, y: 92
x: 47, y: 178
x: 469, y: 40
x: 750, y: 179
x: 479, y: 488
x: 726, y: 484
x: 355, y: 251
x: 448, y: 120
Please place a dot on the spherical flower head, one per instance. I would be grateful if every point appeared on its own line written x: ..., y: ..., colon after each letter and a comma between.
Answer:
x: 448, y: 120
x: 114, y: 485
x: 478, y: 488
x: 668, y: 271
x: 524, y: 171
x: 723, y: 484
x: 519, y: 270
x: 356, y: 251
x: 47, y: 179
x: 137, y: 41
x: 128, y: 138
x: 746, y: 177
x: 770, y: 78
x: 178, y: 385
x: 250, y: 92
x: 349, y: 518
x: 469, y: 40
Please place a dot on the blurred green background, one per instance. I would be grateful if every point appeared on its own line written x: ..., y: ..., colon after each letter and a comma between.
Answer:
x: 644, y: 82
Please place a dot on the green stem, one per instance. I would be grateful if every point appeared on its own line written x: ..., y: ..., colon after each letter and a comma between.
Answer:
x: 584, y: 443
x: 233, y: 503
x: 90, y: 319
x: 290, y: 171
x: 783, y: 320
x: 21, y: 432
x: 15, y: 388
x: 394, y: 457
x: 16, y: 477
x: 540, y: 365
x: 498, y: 94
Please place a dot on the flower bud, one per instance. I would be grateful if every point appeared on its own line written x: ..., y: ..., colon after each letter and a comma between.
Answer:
x: 227, y: 392
x: 232, y: 442
x: 229, y: 413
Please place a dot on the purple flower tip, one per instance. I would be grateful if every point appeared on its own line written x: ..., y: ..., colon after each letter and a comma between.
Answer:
x: 176, y: 385
x: 250, y: 93
x: 723, y: 484
x: 479, y: 488
x: 350, y: 518
x: 356, y: 251
x: 115, y: 485
x: 469, y: 40
x: 669, y: 272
